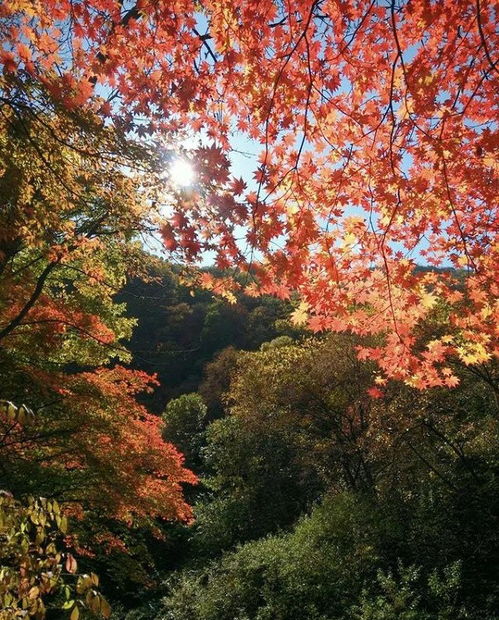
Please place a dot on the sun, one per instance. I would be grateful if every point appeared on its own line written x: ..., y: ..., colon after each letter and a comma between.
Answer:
x: 182, y: 173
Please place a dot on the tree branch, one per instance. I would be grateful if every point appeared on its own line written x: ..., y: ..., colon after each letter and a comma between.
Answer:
x: 31, y: 301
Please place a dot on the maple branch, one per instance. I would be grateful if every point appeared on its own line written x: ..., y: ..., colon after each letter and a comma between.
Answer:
x: 382, y: 245
x: 357, y: 29
x: 307, y: 105
x: 279, y: 23
x: 454, y: 213
x: 268, y: 118
x: 132, y: 13
x: 204, y: 38
x: 31, y: 301
x: 277, y: 80
x: 483, y: 39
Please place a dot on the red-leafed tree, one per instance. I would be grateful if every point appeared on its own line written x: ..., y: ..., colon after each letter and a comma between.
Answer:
x: 378, y: 131
x: 75, y: 199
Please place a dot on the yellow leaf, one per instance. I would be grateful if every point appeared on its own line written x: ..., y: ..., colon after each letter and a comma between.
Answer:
x: 300, y: 315
x: 229, y: 296
x: 473, y: 353
x: 349, y: 239
x: 428, y: 300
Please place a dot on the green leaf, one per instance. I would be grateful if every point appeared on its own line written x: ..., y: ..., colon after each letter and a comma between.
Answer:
x: 63, y: 526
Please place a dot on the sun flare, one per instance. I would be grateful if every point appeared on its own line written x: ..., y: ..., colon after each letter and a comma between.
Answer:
x: 182, y: 173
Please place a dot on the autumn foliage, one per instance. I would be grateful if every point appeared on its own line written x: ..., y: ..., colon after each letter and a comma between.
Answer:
x: 372, y: 206
x: 378, y: 141
x: 34, y: 566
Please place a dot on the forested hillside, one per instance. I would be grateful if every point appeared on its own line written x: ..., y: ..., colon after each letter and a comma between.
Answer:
x: 323, y: 497
x: 180, y: 328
